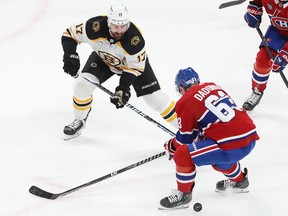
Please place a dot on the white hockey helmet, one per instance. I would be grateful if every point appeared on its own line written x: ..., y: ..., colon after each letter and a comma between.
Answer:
x: 118, y: 15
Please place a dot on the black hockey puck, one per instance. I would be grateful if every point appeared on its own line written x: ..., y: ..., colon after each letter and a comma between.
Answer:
x: 197, y: 207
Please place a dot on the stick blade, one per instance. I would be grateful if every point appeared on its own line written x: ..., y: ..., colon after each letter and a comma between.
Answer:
x: 231, y: 3
x: 41, y: 193
x: 227, y: 4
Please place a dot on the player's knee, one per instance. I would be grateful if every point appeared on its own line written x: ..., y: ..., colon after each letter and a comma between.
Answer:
x: 182, y: 157
x: 263, y: 62
x: 161, y: 103
x: 157, y: 100
x: 83, y: 88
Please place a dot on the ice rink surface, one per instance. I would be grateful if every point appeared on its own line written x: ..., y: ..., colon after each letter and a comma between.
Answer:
x: 36, y: 104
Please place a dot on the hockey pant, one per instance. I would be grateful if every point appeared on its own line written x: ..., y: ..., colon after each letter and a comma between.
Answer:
x: 207, y: 152
x: 263, y: 63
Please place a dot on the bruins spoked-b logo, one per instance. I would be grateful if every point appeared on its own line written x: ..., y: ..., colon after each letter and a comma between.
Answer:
x: 96, y: 26
x: 109, y: 59
x: 135, y: 40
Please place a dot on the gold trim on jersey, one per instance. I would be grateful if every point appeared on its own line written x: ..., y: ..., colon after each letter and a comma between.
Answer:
x: 72, y: 35
x: 99, y: 39
x: 66, y: 34
x: 131, y: 70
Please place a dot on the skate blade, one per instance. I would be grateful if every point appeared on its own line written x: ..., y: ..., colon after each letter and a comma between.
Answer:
x: 245, y: 190
x: 69, y: 137
x: 184, y: 206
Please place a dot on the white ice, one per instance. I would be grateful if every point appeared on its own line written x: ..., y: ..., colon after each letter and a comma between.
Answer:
x: 36, y: 104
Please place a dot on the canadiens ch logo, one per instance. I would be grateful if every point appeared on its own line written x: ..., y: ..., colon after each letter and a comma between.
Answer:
x: 135, y: 40
x: 96, y: 26
x: 280, y: 23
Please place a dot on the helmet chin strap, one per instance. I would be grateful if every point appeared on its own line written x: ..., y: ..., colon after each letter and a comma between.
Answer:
x: 110, y: 32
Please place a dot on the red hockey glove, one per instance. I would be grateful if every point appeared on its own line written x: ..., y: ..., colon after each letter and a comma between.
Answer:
x: 280, y: 61
x: 170, y: 149
x: 253, y: 16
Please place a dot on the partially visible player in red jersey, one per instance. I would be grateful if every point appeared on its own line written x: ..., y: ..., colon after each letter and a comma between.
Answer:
x: 212, y: 131
x: 277, y: 38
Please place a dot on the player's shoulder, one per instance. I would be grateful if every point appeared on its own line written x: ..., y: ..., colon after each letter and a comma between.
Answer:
x: 97, y: 27
x: 133, y: 41
x: 198, y: 92
x: 207, y: 86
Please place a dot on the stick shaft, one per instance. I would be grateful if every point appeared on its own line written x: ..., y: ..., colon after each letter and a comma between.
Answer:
x: 47, y: 195
x: 44, y: 194
x: 130, y: 106
x: 114, y: 173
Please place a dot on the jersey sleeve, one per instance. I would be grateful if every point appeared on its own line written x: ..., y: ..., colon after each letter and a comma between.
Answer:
x: 77, y: 32
x: 188, y: 129
x: 73, y: 36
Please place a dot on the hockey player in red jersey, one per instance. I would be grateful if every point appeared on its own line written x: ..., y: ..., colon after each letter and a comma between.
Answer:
x: 276, y: 37
x: 119, y: 48
x: 212, y: 131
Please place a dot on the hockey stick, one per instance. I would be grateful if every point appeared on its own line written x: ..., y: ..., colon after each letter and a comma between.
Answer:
x: 231, y: 3
x: 270, y: 53
x: 133, y: 108
x: 44, y: 194
x: 52, y: 196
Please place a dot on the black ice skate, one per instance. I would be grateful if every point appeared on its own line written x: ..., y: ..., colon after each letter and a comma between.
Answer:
x: 237, y: 187
x: 253, y: 100
x: 176, y: 200
x: 74, y: 129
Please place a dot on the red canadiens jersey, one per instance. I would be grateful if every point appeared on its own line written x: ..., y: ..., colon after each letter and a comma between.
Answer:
x: 207, y: 111
x: 278, y: 14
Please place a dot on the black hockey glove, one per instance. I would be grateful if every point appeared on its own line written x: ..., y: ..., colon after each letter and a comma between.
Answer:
x: 120, y: 97
x: 71, y: 63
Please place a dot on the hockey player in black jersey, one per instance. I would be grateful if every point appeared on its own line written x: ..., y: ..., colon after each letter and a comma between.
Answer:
x: 118, y: 48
